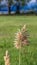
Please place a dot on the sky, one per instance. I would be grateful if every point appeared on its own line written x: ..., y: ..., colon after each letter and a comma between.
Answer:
x: 33, y: 1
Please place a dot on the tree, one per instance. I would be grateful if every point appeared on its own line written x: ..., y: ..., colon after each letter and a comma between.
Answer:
x: 0, y: 4
x: 9, y: 4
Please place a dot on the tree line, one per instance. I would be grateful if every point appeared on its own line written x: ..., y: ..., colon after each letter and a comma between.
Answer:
x: 11, y: 1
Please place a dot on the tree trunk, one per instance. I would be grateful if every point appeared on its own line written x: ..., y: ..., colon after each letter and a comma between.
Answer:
x: 9, y: 4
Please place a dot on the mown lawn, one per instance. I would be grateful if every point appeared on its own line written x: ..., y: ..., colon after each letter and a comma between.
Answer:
x: 8, y: 27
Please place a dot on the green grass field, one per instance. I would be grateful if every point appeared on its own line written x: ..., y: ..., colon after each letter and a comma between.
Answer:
x: 8, y: 27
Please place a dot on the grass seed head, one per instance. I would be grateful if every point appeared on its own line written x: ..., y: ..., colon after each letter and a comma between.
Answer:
x: 21, y: 37
x: 6, y: 58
